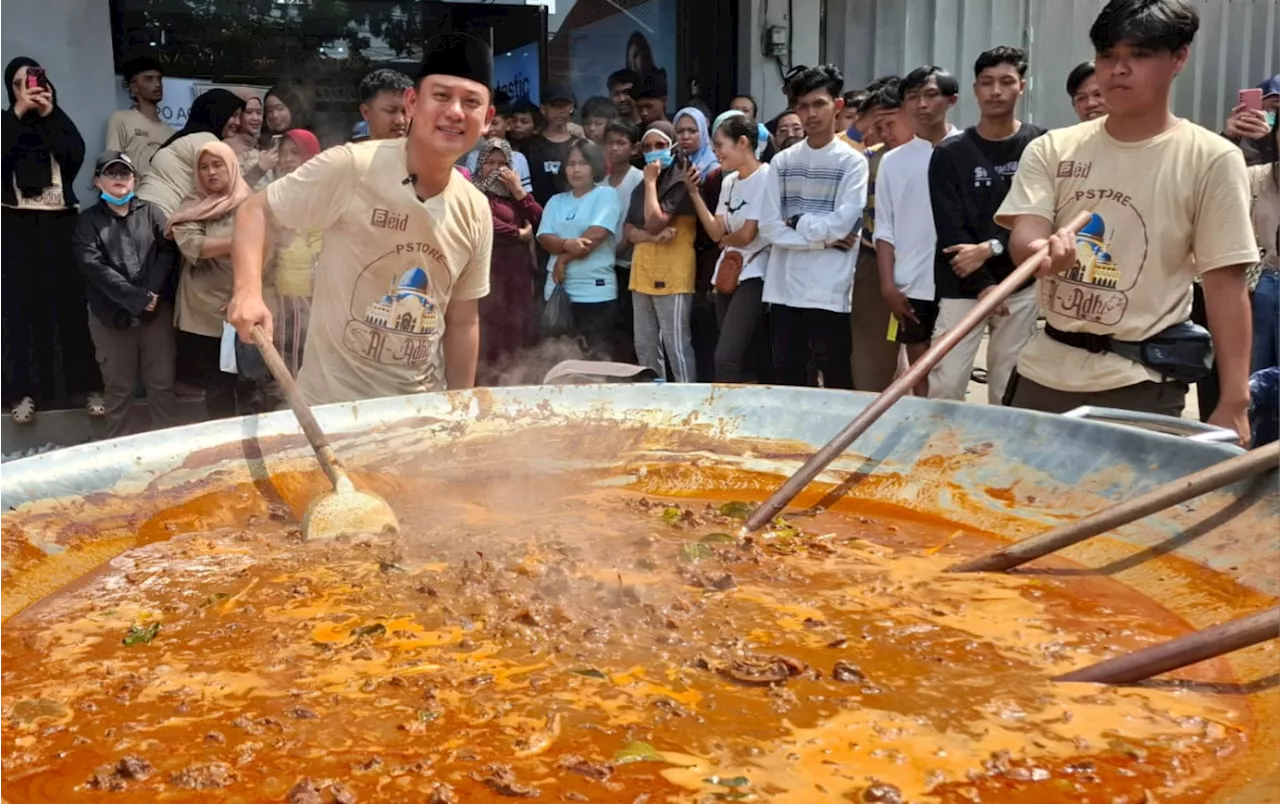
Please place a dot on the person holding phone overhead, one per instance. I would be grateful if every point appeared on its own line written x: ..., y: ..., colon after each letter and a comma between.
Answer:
x: 407, y: 242
x: 48, y: 353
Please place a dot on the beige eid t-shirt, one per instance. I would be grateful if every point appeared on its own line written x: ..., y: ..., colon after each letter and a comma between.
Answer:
x: 1164, y: 211
x: 388, y: 269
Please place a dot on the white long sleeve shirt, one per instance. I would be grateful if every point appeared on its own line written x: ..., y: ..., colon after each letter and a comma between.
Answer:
x: 904, y: 216
x: 827, y: 189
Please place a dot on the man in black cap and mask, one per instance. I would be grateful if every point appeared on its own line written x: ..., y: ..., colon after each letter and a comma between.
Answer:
x: 139, y: 131
x: 407, y: 241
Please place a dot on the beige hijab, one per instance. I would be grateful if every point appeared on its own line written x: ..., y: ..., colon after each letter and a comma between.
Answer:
x: 204, y: 205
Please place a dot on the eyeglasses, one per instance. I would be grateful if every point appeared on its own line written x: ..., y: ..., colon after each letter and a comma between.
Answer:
x: 117, y: 173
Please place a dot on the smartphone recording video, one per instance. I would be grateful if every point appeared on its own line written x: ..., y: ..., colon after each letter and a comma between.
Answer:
x: 36, y: 78
x: 1251, y: 99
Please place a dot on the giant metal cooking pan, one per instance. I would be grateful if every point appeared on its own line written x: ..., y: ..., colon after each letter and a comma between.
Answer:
x: 1006, y: 471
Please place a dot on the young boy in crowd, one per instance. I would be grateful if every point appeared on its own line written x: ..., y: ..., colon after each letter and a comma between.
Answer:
x: 130, y: 268
x: 382, y: 103
x: 1169, y: 201
x: 875, y: 357
x: 524, y: 122
x: 621, y: 144
x: 905, y: 238
x: 596, y: 114
x: 813, y: 201
x: 968, y: 179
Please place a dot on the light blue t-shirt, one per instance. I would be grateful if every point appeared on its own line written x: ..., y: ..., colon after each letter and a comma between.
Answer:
x: 590, y: 278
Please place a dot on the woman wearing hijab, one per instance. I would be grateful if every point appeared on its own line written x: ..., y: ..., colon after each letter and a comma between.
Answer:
x: 214, y: 116
x: 256, y: 163
x: 202, y: 228
x: 47, y: 349
x: 662, y: 225
x: 283, y: 110
x: 505, y: 314
x: 694, y: 140
x: 296, y: 254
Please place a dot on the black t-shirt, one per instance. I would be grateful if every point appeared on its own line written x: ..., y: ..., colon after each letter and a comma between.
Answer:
x: 545, y: 158
x: 968, y: 179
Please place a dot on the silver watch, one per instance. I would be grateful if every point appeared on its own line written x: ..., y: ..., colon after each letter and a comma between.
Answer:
x: 997, y: 248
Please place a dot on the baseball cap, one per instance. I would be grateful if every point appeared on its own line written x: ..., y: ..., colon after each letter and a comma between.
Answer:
x: 558, y: 91
x: 360, y: 131
x: 1271, y: 86
x: 110, y: 158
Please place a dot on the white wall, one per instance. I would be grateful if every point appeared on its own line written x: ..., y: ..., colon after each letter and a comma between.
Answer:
x: 759, y: 75
x: 72, y: 40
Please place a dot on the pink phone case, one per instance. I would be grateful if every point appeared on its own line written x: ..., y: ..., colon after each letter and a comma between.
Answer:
x: 1251, y: 98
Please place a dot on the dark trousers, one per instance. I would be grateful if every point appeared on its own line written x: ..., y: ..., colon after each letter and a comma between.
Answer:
x: 1208, y: 389
x: 225, y: 395
x: 145, y: 352
x: 743, y: 353
x: 704, y: 330
x: 804, y: 337
x: 594, y: 323
x: 1165, y: 398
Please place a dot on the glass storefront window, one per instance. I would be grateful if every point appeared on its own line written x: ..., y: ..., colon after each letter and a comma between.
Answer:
x: 322, y: 48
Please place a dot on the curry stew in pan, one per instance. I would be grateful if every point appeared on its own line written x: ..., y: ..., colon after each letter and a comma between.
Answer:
x: 560, y: 637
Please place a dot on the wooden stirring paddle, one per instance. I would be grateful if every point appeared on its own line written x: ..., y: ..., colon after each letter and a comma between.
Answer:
x: 900, y: 387
x: 1161, y: 497
x: 345, y: 509
x: 1212, y: 642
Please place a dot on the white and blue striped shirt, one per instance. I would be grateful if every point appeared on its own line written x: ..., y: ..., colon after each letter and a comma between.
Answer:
x: 827, y: 189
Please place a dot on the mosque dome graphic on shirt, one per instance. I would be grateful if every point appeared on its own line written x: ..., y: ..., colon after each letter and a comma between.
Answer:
x: 406, y: 307
x: 1094, y: 265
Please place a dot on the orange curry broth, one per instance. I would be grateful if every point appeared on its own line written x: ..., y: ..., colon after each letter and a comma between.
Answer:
x: 530, y: 627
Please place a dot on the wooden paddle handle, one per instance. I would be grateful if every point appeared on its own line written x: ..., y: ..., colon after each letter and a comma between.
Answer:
x: 1183, y: 651
x: 1163, y: 496
x: 901, y: 386
x: 306, y: 419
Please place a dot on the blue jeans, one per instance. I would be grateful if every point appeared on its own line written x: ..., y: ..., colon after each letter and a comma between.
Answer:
x: 1266, y: 321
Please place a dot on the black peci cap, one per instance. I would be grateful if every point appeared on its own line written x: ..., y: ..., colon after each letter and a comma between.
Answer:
x: 460, y: 55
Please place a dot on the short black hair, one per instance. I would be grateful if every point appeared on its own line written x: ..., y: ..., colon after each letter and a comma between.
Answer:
x: 811, y: 79
x: 854, y: 98
x: 502, y: 110
x: 1078, y: 75
x: 740, y: 126
x: 526, y: 106
x: 140, y: 64
x: 383, y: 80
x: 623, y: 76
x: 598, y: 107
x: 886, y: 98
x: 917, y: 78
x: 883, y: 80
x: 590, y: 152
x: 755, y: 107
x: 623, y: 127
x: 1151, y: 24
x: 1015, y: 57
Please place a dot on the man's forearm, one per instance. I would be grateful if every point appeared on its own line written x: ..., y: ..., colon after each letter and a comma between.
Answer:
x: 1226, y: 302
x: 461, y: 353
x: 248, y: 245
x: 885, y: 260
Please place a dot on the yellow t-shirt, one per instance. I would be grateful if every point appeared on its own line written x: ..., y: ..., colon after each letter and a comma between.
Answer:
x: 662, y: 269
x: 296, y: 257
x: 388, y: 269
x: 138, y: 136
x: 1164, y: 211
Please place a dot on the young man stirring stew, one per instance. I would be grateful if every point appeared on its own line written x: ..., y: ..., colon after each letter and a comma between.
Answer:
x: 406, y: 246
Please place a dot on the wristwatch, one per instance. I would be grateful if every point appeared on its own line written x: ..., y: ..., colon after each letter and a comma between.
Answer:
x: 997, y: 248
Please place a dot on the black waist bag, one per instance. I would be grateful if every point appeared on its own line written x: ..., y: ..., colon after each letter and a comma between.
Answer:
x: 1182, y: 352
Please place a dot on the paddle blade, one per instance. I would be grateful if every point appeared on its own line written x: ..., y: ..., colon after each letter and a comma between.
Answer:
x: 341, y: 513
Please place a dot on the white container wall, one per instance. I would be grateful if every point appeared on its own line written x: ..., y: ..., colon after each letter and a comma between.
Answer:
x: 1238, y: 45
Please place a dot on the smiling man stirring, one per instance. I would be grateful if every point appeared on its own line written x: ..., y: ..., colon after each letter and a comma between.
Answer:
x: 406, y: 248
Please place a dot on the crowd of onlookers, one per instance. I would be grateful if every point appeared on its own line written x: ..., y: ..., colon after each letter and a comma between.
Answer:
x: 827, y: 246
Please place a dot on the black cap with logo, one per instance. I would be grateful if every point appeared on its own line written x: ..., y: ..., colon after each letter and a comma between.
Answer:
x: 110, y: 158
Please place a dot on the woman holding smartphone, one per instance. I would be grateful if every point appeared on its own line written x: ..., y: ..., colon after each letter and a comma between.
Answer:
x: 48, y: 353
x: 742, y: 352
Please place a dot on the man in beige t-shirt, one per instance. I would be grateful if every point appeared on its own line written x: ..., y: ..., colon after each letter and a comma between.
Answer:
x: 407, y: 242
x: 1170, y: 202
x: 139, y: 131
